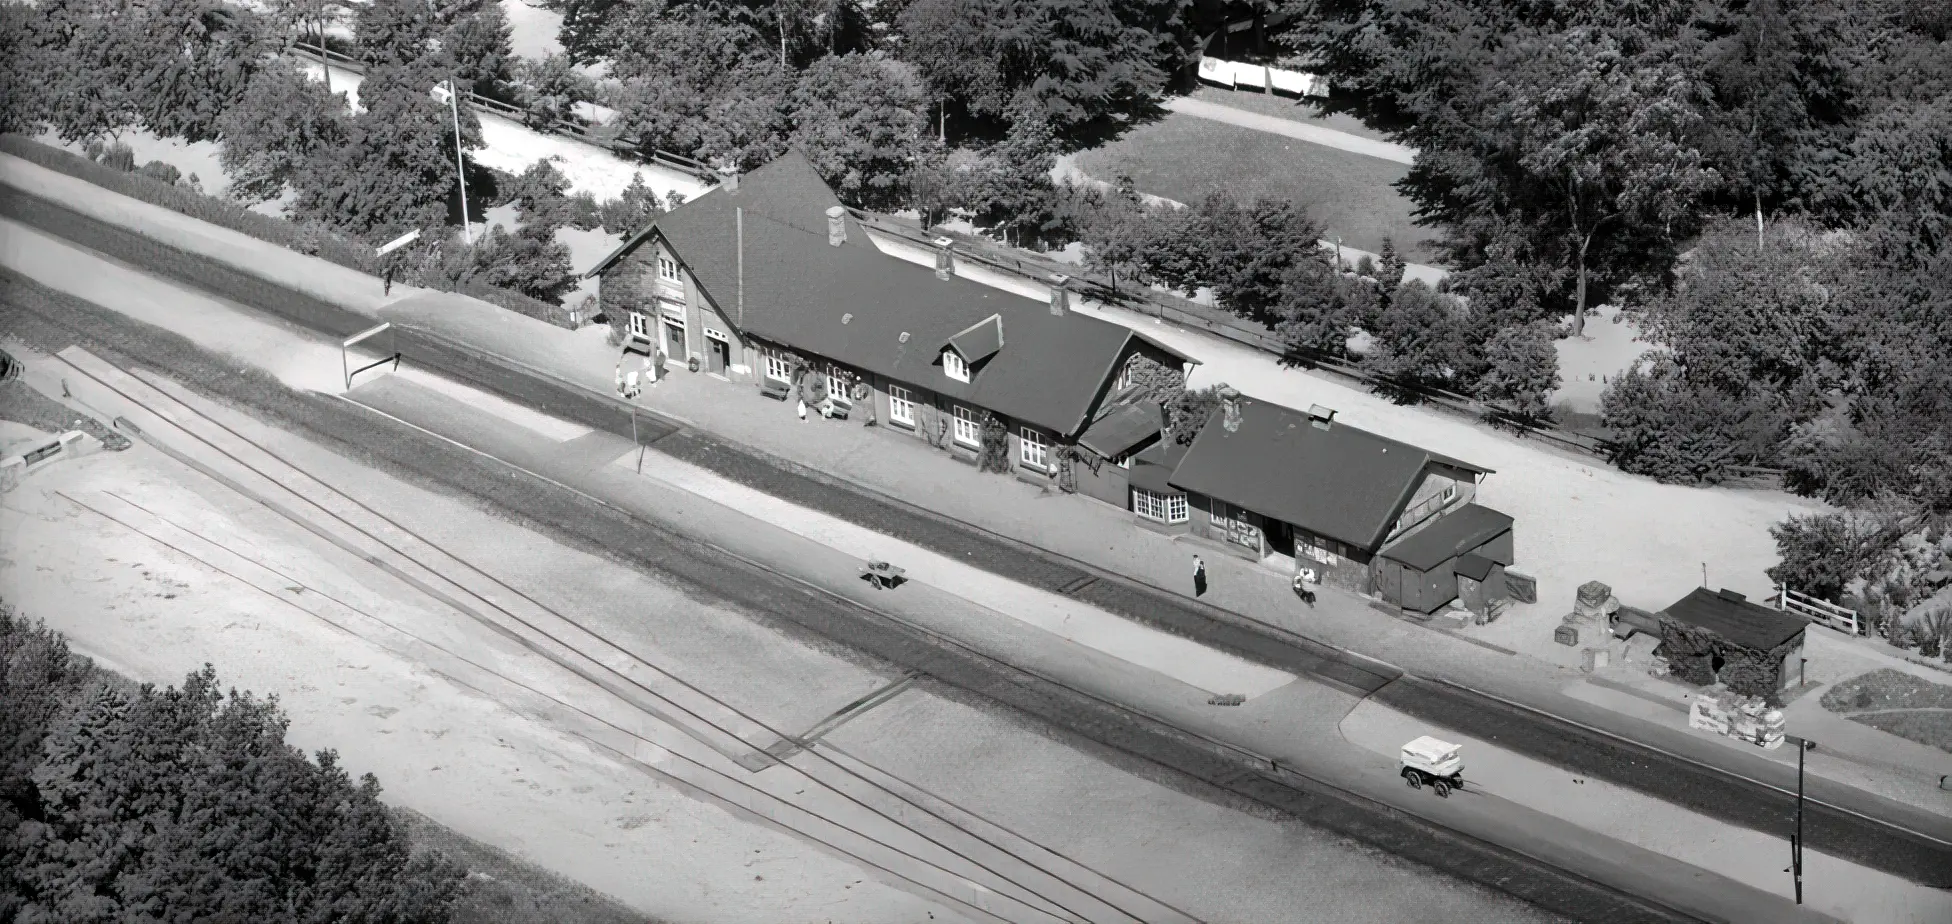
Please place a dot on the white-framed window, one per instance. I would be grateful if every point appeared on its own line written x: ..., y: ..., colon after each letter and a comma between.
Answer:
x: 778, y: 369
x: 840, y: 387
x: 969, y: 427
x: 1450, y: 492
x: 901, y: 405
x: 954, y: 367
x: 640, y: 324
x: 1033, y: 449
x: 1161, y: 508
x: 1124, y: 377
x: 667, y: 269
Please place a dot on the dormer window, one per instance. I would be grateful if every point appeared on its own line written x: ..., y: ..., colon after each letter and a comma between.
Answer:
x: 954, y: 367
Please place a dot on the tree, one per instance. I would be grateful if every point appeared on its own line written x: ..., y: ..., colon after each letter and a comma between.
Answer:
x: 88, y: 90
x: 630, y: 212
x: 1590, y: 137
x: 1822, y: 554
x: 185, y: 804
x: 584, y: 33
x: 24, y: 70
x: 1389, y: 270
x: 477, y: 44
x: 698, y: 82
x: 1093, y: 66
x: 1419, y: 338
x: 399, y: 33
x: 38, y: 676
x: 859, y: 120
x: 550, y: 89
x: 395, y: 170
x: 281, y: 124
x: 1521, y: 370
x: 1676, y: 430
x: 192, y: 60
x: 1247, y: 250
x: 1318, y: 308
x: 1187, y: 412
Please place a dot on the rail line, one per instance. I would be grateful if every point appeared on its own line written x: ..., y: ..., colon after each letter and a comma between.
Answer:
x: 1077, y: 905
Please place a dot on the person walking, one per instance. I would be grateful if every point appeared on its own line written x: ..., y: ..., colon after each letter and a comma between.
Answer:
x: 388, y: 279
x: 1199, y: 577
x: 803, y: 408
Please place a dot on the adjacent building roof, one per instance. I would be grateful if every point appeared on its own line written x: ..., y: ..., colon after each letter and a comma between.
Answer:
x: 1125, y: 428
x: 1341, y: 482
x: 1731, y: 616
x: 1475, y: 567
x: 1463, y: 530
x: 1152, y: 469
x: 879, y: 313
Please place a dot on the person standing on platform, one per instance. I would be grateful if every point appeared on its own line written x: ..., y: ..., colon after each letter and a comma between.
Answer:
x: 803, y: 408
x: 1199, y: 577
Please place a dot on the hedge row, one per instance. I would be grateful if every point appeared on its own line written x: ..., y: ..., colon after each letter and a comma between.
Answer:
x: 306, y: 239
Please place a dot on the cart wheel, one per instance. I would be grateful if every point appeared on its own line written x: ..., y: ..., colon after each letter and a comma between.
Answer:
x: 1411, y: 777
x: 1442, y: 787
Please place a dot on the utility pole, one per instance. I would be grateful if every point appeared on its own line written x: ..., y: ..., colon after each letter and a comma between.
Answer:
x: 1796, y: 840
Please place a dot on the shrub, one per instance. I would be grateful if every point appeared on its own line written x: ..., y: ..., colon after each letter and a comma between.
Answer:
x: 1366, y: 267
x: 119, y: 157
x: 996, y: 446
x: 161, y: 172
x: 1821, y: 554
x: 1681, y: 432
x: 1863, y: 699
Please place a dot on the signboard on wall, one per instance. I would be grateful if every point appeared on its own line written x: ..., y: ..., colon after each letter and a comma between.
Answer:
x: 1237, y: 530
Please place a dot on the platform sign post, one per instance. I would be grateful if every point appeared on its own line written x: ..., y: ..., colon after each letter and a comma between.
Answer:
x: 399, y: 242
x: 345, y: 352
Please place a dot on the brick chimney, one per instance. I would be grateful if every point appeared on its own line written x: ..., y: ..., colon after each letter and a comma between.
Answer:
x: 1229, y: 408
x: 1321, y: 416
x: 1060, y: 294
x: 836, y: 226
x: 729, y: 178
x: 945, y: 258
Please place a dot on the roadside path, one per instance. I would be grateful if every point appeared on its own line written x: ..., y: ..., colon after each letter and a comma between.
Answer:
x: 1289, y: 128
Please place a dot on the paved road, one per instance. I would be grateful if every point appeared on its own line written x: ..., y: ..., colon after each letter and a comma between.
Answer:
x: 1300, y: 131
x: 1840, y: 834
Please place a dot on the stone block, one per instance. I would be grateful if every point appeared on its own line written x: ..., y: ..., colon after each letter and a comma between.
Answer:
x: 1566, y: 635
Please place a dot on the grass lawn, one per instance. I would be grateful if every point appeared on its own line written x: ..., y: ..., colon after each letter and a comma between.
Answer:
x: 1898, y: 703
x: 1184, y: 158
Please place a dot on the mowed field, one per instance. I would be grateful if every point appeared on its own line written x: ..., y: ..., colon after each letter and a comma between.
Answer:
x: 1184, y: 158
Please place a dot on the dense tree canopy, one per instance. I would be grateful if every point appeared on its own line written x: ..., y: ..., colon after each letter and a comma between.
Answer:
x: 859, y: 119
x: 184, y: 804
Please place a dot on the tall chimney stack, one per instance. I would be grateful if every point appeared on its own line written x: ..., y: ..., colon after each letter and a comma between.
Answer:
x: 836, y: 226
x: 729, y: 178
x: 1229, y: 408
x: 1060, y: 293
x: 945, y: 258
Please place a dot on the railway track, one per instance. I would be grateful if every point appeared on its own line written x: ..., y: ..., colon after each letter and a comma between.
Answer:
x: 921, y: 838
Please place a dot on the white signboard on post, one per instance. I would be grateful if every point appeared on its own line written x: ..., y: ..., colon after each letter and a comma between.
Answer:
x: 401, y: 241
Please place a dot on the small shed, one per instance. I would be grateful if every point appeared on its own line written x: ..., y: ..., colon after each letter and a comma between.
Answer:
x: 1719, y: 636
x: 1480, y: 582
x: 1420, y: 573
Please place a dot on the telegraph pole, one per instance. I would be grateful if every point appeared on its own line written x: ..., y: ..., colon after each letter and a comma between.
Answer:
x: 1796, y: 840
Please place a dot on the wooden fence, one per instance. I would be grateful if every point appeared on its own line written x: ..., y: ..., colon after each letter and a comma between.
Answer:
x: 1841, y: 618
x: 577, y: 131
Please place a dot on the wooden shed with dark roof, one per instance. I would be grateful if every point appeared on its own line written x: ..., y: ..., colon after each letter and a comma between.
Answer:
x: 1421, y: 570
x: 781, y: 277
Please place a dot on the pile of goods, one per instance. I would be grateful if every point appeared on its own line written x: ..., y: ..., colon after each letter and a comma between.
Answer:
x: 1746, y: 718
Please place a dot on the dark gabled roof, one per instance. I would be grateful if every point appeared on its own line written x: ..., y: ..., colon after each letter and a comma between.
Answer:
x: 1342, y: 482
x: 1735, y: 619
x: 1475, y: 567
x: 978, y: 341
x: 880, y: 313
x: 1463, y: 530
x: 1116, y: 433
x: 1152, y: 468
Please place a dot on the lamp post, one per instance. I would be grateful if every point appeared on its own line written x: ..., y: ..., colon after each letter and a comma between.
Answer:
x: 1796, y: 840
x: 448, y: 89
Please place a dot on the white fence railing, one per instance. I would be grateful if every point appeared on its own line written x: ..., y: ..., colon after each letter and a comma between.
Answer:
x: 1841, y: 618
